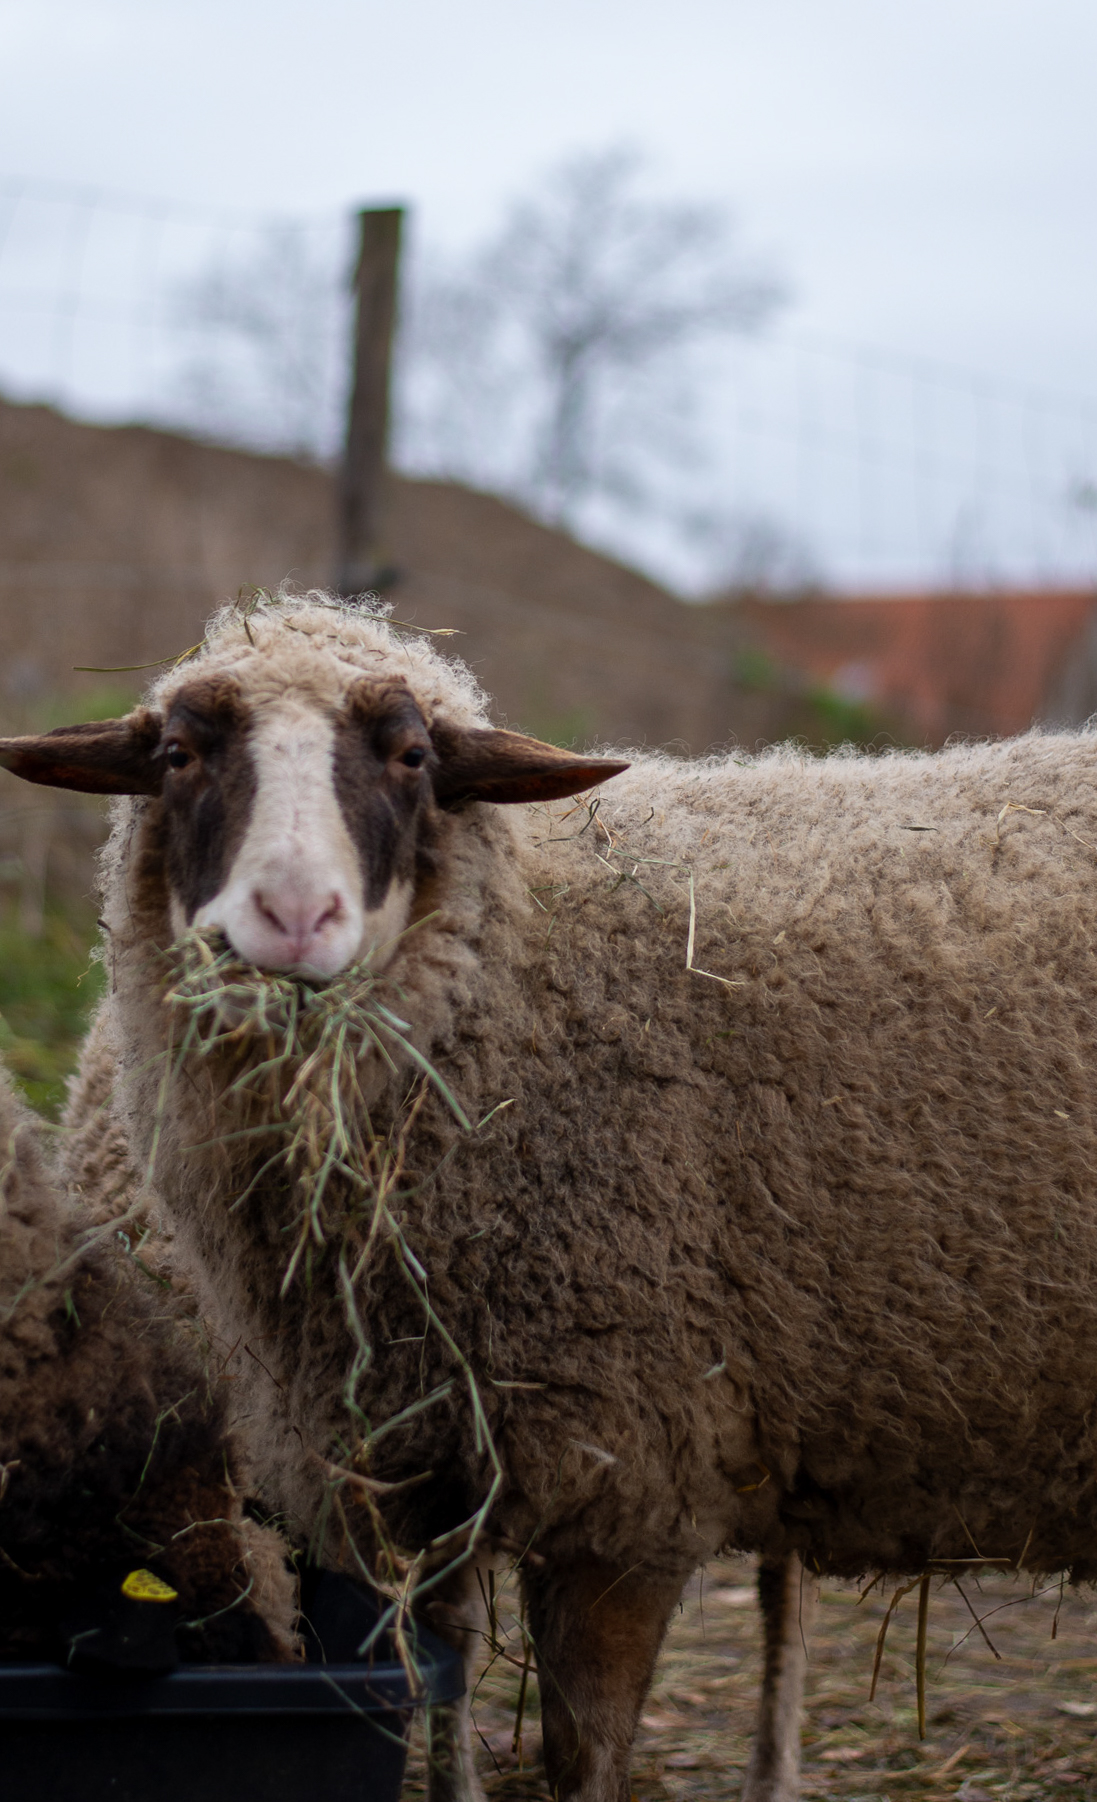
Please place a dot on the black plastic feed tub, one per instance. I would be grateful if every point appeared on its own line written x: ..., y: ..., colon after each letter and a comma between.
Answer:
x: 315, y: 1732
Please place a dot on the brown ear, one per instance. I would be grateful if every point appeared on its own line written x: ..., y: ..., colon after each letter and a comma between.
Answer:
x: 476, y: 764
x: 106, y: 757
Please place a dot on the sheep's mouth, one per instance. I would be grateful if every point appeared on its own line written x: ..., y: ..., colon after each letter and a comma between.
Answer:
x: 216, y: 993
x: 290, y: 1034
x: 280, y: 1020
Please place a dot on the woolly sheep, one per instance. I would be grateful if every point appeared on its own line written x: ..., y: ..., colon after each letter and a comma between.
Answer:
x: 113, y: 1455
x: 785, y: 1240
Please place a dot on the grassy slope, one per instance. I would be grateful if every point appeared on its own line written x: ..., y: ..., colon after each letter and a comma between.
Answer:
x: 49, y: 985
x: 48, y: 988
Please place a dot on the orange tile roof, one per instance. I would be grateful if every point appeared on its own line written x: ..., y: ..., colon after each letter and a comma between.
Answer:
x: 975, y: 663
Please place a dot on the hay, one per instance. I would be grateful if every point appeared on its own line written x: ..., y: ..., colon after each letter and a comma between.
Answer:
x: 291, y: 1052
x: 920, y: 1653
x: 950, y: 1570
x: 312, y: 1038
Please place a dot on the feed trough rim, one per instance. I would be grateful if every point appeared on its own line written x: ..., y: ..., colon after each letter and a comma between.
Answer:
x: 47, y: 1691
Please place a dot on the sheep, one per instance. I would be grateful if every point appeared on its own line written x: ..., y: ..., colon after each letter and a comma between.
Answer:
x: 773, y: 1228
x: 113, y: 1455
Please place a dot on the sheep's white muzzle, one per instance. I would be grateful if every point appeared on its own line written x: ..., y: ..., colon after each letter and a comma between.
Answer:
x: 287, y: 922
x: 295, y: 926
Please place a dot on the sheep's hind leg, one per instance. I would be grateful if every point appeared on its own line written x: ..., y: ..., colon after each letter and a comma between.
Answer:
x: 788, y: 1594
x: 596, y: 1630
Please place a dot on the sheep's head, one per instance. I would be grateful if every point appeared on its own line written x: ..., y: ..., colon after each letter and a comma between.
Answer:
x: 294, y: 823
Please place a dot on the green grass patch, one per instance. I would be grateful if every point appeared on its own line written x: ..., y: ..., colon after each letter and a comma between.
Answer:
x: 48, y: 988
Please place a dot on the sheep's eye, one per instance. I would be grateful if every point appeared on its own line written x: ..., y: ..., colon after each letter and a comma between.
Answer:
x: 414, y: 757
x: 177, y: 758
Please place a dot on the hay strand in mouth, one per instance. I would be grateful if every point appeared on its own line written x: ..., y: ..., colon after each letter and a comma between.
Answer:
x: 904, y: 1589
x: 920, y: 1653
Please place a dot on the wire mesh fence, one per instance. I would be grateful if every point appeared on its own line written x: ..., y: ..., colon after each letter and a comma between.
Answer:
x: 828, y: 463
x: 897, y: 470
x: 117, y: 307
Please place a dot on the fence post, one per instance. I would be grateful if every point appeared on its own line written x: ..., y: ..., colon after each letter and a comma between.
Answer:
x: 359, y: 565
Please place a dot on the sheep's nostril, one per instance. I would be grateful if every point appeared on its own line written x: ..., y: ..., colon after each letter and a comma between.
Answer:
x: 332, y: 912
x: 268, y: 913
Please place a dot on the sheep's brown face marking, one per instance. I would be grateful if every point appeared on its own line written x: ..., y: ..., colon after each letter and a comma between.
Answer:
x: 293, y: 831
x: 208, y: 792
x: 382, y: 767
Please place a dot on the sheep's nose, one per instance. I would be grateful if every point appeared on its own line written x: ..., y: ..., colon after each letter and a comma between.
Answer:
x: 298, y: 919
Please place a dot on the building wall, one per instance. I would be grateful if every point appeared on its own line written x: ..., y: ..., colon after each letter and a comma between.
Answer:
x: 931, y: 666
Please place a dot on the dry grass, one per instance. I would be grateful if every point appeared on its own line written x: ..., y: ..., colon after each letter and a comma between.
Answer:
x: 297, y: 1048
x: 1019, y: 1726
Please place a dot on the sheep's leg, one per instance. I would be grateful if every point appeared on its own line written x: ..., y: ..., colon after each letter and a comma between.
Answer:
x: 788, y: 1594
x: 596, y: 1630
x: 456, y: 1614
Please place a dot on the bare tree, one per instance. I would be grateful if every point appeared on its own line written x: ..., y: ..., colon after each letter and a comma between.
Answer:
x: 266, y: 332
x: 751, y: 551
x: 552, y: 362
x: 559, y: 363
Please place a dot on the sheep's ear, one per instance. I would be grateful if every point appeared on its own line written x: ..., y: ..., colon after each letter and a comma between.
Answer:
x: 477, y: 764
x: 106, y: 757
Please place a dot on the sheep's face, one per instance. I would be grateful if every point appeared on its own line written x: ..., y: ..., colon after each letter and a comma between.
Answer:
x: 298, y: 826
x: 295, y: 828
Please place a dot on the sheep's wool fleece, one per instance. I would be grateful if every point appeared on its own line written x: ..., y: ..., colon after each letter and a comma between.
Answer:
x: 796, y: 1247
x: 113, y: 1453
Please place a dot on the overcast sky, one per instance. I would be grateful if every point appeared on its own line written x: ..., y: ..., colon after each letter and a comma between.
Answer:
x: 922, y: 174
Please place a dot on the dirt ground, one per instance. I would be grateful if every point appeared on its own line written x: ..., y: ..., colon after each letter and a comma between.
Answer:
x: 1017, y: 1721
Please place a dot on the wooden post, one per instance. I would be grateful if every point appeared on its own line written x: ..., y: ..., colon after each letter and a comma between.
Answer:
x: 359, y: 564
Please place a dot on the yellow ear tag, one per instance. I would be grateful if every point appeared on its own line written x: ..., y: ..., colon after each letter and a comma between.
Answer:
x: 142, y: 1586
